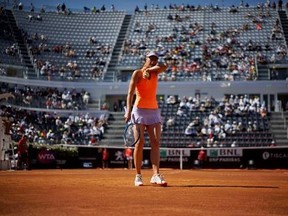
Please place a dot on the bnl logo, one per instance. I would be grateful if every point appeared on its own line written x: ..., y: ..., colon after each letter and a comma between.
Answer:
x: 225, y: 153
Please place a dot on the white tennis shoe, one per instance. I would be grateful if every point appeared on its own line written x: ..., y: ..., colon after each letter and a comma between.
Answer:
x: 138, y: 180
x: 158, y: 179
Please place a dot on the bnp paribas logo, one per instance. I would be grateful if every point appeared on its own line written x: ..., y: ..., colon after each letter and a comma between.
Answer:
x: 163, y: 153
x: 213, y: 153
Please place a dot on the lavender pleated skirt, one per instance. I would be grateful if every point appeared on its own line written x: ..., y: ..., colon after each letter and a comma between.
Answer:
x: 145, y: 116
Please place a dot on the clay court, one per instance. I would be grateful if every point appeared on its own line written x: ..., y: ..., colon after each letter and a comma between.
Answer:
x: 111, y: 192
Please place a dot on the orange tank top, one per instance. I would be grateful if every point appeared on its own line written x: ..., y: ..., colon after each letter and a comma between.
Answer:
x: 146, y: 93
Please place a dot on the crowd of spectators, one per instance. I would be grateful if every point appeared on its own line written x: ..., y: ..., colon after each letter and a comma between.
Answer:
x: 222, y: 50
x: 72, y: 70
x: 11, y: 50
x: 40, y: 49
x: 47, y: 98
x: 52, y: 128
x: 216, y: 123
x: 223, y: 55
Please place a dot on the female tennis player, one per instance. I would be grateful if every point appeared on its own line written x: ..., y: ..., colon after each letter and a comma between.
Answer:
x: 146, y: 115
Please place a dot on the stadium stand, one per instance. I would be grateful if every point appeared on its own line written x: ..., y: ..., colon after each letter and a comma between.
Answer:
x: 235, y: 121
x: 54, y: 127
x: 82, y: 50
x: 47, y: 98
x: 9, y: 52
x: 199, y: 44
x: 207, y: 44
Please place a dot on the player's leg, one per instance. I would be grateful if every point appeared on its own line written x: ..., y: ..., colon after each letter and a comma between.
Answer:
x: 138, y: 156
x: 138, y: 150
x: 154, y: 132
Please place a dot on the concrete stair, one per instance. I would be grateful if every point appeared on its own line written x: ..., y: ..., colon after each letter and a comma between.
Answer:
x: 113, y: 136
x: 279, y: 127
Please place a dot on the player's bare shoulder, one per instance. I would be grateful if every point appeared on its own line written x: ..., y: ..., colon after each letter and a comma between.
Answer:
x: 137, y: 74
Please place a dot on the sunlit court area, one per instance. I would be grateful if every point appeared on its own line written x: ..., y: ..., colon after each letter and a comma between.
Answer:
x: 111, y: 192
x: 202, y: 86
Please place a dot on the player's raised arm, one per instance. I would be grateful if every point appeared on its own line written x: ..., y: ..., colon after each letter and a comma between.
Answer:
x: 153, y: 65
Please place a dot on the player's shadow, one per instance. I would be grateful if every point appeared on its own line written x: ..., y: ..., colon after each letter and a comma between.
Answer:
x: 226, y: 186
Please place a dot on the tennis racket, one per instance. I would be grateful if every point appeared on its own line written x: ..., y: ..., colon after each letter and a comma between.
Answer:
x: 131, y: 133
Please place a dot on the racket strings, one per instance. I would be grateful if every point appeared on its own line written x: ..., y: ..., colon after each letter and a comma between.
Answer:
x: 131, y: 135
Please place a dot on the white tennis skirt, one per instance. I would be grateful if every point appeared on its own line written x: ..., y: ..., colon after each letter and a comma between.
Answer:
x: 145, y: 116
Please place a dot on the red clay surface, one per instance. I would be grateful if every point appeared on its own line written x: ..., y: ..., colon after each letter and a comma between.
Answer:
x: 111, y: 192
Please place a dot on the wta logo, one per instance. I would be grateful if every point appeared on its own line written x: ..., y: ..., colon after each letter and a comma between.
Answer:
x: 45, y: 156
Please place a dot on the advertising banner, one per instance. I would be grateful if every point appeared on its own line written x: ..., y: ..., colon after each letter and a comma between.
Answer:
x: 268, y: 157
x: 225, y: 157
x: 46, y: 156
x: 172, y: 158
x: 116, y: 158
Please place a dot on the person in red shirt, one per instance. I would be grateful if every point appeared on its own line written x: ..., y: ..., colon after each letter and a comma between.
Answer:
x: 23, y: 159
x: 128, y: 154
x: 201, y: 157
x: 93, y: 140
x: 105, y: 158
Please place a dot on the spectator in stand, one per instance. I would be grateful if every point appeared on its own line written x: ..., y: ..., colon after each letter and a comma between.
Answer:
x: 115, y: 107
x: 249, y: 127
x: 58, y: 8
x: 280, y: 4
x: 234, y: 127
x: 113, y: 8
x: 63, y: 8
x: 42, y: 10
x: 103, y: 8
x: 234, y: 144
x: 170, y: 122
x: 181, y: 112
x: 228, y: 127
x: 94, y: 10
x: 171, y: 99
x: 137, y: 9
x: 93, y: 140
x: 32, y: 8
x: 273, y: 144
x: 92, y: 40
x: 263, y: 111
x: 86, y: 9
x: 190, y: 130
x: 20, y: 6
x: 86, y: 98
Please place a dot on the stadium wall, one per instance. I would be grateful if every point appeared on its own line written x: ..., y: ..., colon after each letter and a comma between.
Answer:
x: 91, y: 157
